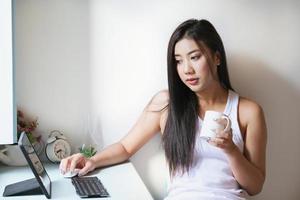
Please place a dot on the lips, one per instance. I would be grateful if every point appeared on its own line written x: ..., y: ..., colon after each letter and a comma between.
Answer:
x: 192, y: 81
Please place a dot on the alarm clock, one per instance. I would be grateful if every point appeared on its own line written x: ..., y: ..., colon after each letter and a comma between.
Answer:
x: 57, y: 146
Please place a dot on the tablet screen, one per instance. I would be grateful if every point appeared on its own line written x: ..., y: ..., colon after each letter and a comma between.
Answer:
x: 35, y: 164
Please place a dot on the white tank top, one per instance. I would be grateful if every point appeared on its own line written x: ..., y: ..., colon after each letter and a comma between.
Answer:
x: 210, y: 177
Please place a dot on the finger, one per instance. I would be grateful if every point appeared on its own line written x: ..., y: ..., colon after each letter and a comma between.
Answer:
x: 64, y: 165
x: 220, y: 134
x: 221, y: 121
x: 76, y: 159
x: 224, y: 135
x: 215, y: 142
x: 61, y: 164
x: 212, y: 142
x: 228, y: 131
x: 219, y: 140
x: 228, y: 135
x: 87, y: 168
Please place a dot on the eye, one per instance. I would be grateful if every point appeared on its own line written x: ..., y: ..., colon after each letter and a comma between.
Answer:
x: 178, y: 62
x: 195, y: 57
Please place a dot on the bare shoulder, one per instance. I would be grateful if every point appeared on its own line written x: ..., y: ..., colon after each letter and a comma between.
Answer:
x: 159, y: 104
x: 253, y: 123
x: 159, y: 101
x: 249, y: 110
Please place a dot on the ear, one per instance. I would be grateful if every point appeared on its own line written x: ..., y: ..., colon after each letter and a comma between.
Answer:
x: 217, y: 58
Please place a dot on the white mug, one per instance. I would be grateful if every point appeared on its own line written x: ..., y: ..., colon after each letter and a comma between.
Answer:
x: 210, y: 125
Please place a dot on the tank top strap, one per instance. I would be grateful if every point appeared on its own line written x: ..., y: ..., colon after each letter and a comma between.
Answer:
x: 232, y: 112
x: 232, y: 101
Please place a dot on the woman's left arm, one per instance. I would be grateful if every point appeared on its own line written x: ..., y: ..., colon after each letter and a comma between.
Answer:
x: 249, y: 168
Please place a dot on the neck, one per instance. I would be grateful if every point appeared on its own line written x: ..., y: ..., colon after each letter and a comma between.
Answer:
x: 209, y: 96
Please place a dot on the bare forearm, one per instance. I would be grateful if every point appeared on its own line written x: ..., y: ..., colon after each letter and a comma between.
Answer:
x: 112, y: 154
x: 248, y: 176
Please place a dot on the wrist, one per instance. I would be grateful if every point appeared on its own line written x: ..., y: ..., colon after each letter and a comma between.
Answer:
x: 94, y: 161
x: 233, y: 151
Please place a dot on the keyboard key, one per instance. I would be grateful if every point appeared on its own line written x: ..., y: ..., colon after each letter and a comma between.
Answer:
x: 89, y: 187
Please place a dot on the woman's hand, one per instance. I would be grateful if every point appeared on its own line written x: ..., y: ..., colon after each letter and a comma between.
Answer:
x: 223, y: 139
x: 77, y: 161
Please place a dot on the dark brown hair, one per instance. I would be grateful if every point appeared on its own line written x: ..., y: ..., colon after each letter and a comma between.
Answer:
x: 180, y: 131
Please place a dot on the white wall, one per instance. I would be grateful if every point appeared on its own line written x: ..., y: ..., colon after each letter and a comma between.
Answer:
x: 105, y: 59
x: 52, y: 65
x: 7, y: 110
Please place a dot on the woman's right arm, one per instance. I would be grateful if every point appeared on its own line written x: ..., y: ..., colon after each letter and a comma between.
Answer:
x: 151, y: 121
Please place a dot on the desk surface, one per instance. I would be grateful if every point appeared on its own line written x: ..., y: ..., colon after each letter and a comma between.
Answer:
x: 121, y: 181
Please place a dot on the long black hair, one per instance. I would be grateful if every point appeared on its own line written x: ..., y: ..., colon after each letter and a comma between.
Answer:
x: 180, y: 131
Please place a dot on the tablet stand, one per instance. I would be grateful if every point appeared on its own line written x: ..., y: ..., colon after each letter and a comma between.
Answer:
x: 27, y: 187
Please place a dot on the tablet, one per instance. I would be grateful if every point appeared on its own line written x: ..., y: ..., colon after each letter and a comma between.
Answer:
x: 41, y: 176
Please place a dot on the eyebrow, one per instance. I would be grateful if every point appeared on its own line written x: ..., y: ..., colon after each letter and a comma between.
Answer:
x: 189, y: 53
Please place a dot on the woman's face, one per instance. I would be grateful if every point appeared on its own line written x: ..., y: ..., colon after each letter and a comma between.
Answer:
x: 192, y: 65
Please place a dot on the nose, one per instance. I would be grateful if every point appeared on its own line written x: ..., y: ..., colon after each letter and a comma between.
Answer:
x: 188, y: 68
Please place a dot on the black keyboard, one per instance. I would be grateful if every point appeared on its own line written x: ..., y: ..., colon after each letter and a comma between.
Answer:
x: 89, y: 187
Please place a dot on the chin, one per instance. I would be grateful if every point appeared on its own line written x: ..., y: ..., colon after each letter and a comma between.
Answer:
x: 196, y: 88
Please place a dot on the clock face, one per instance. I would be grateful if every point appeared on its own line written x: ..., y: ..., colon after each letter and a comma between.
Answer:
x: 61, y: 149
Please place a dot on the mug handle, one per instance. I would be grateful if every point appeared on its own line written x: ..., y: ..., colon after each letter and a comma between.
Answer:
x: 228, y: 125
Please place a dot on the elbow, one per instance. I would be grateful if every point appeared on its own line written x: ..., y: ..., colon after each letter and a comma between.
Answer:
x: 258, y: 187
x: 126, y: 153
x: 255, y: 191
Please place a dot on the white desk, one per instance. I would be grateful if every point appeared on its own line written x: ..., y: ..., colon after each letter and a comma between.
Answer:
x: 121, y: 181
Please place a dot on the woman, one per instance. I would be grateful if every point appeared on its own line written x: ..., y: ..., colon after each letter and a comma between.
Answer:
x: 228, y: 166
